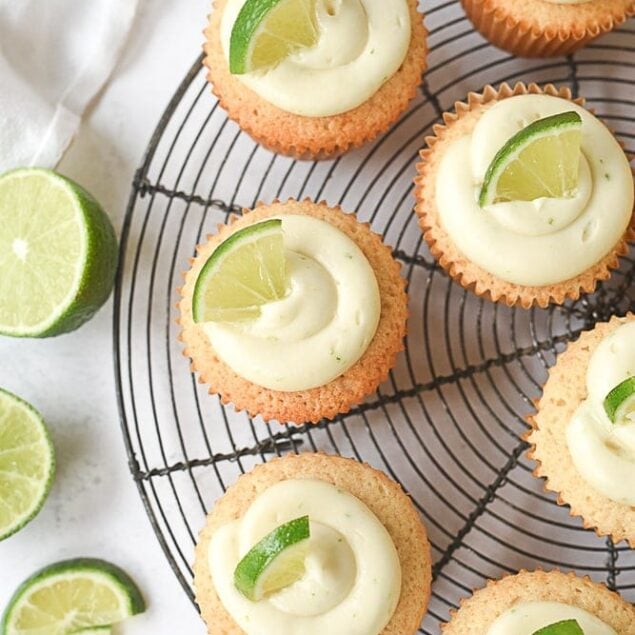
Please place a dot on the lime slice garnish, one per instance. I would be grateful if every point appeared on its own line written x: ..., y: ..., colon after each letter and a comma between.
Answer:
x: 566, y: 627
x: 244, y: 272
x: 619, y: 404
x: 275, y: 562
x: 27, y: 463
x: 267, y: 31
x: 540, y: 161
x: 70, y: 596
x: 58, y: 254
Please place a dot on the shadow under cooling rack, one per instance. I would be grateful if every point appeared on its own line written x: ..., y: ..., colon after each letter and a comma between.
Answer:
x: 449, y: 421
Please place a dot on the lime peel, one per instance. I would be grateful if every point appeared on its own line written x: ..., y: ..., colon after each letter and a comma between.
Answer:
x: 620, y: 402
x: 275, y: 562
x: 244, y: 272
x: 267, y: 31
x: 541, y: 160
x: 27, y: 463
x: 58, y: 254
x: 565, y: 627
x: 67, y: 584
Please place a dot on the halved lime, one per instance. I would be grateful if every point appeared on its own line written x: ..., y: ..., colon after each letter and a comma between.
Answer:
x: 27, y: 463
x: 565, y: 627
x: 267, y: 31
x: 58, y: 254
x: 542, y: 160
x: 244, y: 272
x: 619, y: 404
x: 70, y: 596
x: 275, y: 562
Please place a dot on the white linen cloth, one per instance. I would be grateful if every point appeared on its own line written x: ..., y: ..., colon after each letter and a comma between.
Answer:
x: 55, y: 55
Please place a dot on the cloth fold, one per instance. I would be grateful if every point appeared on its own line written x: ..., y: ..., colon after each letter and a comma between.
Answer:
x: 55, y: 55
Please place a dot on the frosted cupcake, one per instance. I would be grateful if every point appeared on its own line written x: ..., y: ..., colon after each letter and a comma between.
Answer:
x: 546, y: 28
x: 313, y: 544
x: 583, y: 436
x: 312, y: 80
x: 543, y: 603
x: 295, y: 311
x: 524, y: 196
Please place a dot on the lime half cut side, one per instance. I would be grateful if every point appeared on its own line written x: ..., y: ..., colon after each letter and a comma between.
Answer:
x: 244, y: 272
x: 27, y: 463
x: 619, y: 404
x: 72, y: 596
x: 268, y: 31
x: 540, y: 161
x: 276, y: 562
x: 58, y: 254
x: 565, y: 627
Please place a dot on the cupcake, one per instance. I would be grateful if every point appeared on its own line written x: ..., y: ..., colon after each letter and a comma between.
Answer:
x: 524, y: 196
x: 347, y: 553
x: 543, y: 603
x: 546, y: 28
x: 583, y: 435
x: 294, y: 311
x: 352, y: 69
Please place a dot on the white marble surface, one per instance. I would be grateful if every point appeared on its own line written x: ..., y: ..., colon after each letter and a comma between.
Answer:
x: 94, y: 508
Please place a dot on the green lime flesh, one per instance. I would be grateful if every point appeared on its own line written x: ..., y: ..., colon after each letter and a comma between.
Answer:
x: 267, y: 31
x: 275, y: 562
x: 540, y: 161
x: 27, y: 463
x: 58, y: 254
x: 244, y: 272
x: 620, y: 402
x: 566, y: 627
x: 71, y: 596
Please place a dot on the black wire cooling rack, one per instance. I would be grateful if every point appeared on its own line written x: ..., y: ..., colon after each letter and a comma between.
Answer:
x: 448, y: 423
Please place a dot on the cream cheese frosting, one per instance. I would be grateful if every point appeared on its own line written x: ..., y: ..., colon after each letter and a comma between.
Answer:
x: 324, y: 324
x: 352, y: 581
x: 603, y: 452
x: 362, y: 43
x: 526, y: 618
x: 541, y: 242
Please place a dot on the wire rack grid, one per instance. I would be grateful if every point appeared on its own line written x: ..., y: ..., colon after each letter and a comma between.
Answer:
x: 448, y: 423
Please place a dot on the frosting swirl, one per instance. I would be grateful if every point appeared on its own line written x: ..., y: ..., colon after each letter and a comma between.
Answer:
x: 352, y: 581
x: 324, y: 324
x: 362, y: 44
x: 541, y: 242
x: 603, y: 452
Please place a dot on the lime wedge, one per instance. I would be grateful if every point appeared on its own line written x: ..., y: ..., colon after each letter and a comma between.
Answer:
x: 566, y: 627
x: 70, y: 596
x: 244, y: 272
x: 275, y: 562
x: 542, y: 160
x: 267, y: 31
x: 27, y: 463
x: 619, y: 404
x: 96, y: 630
x: 58, y: 254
